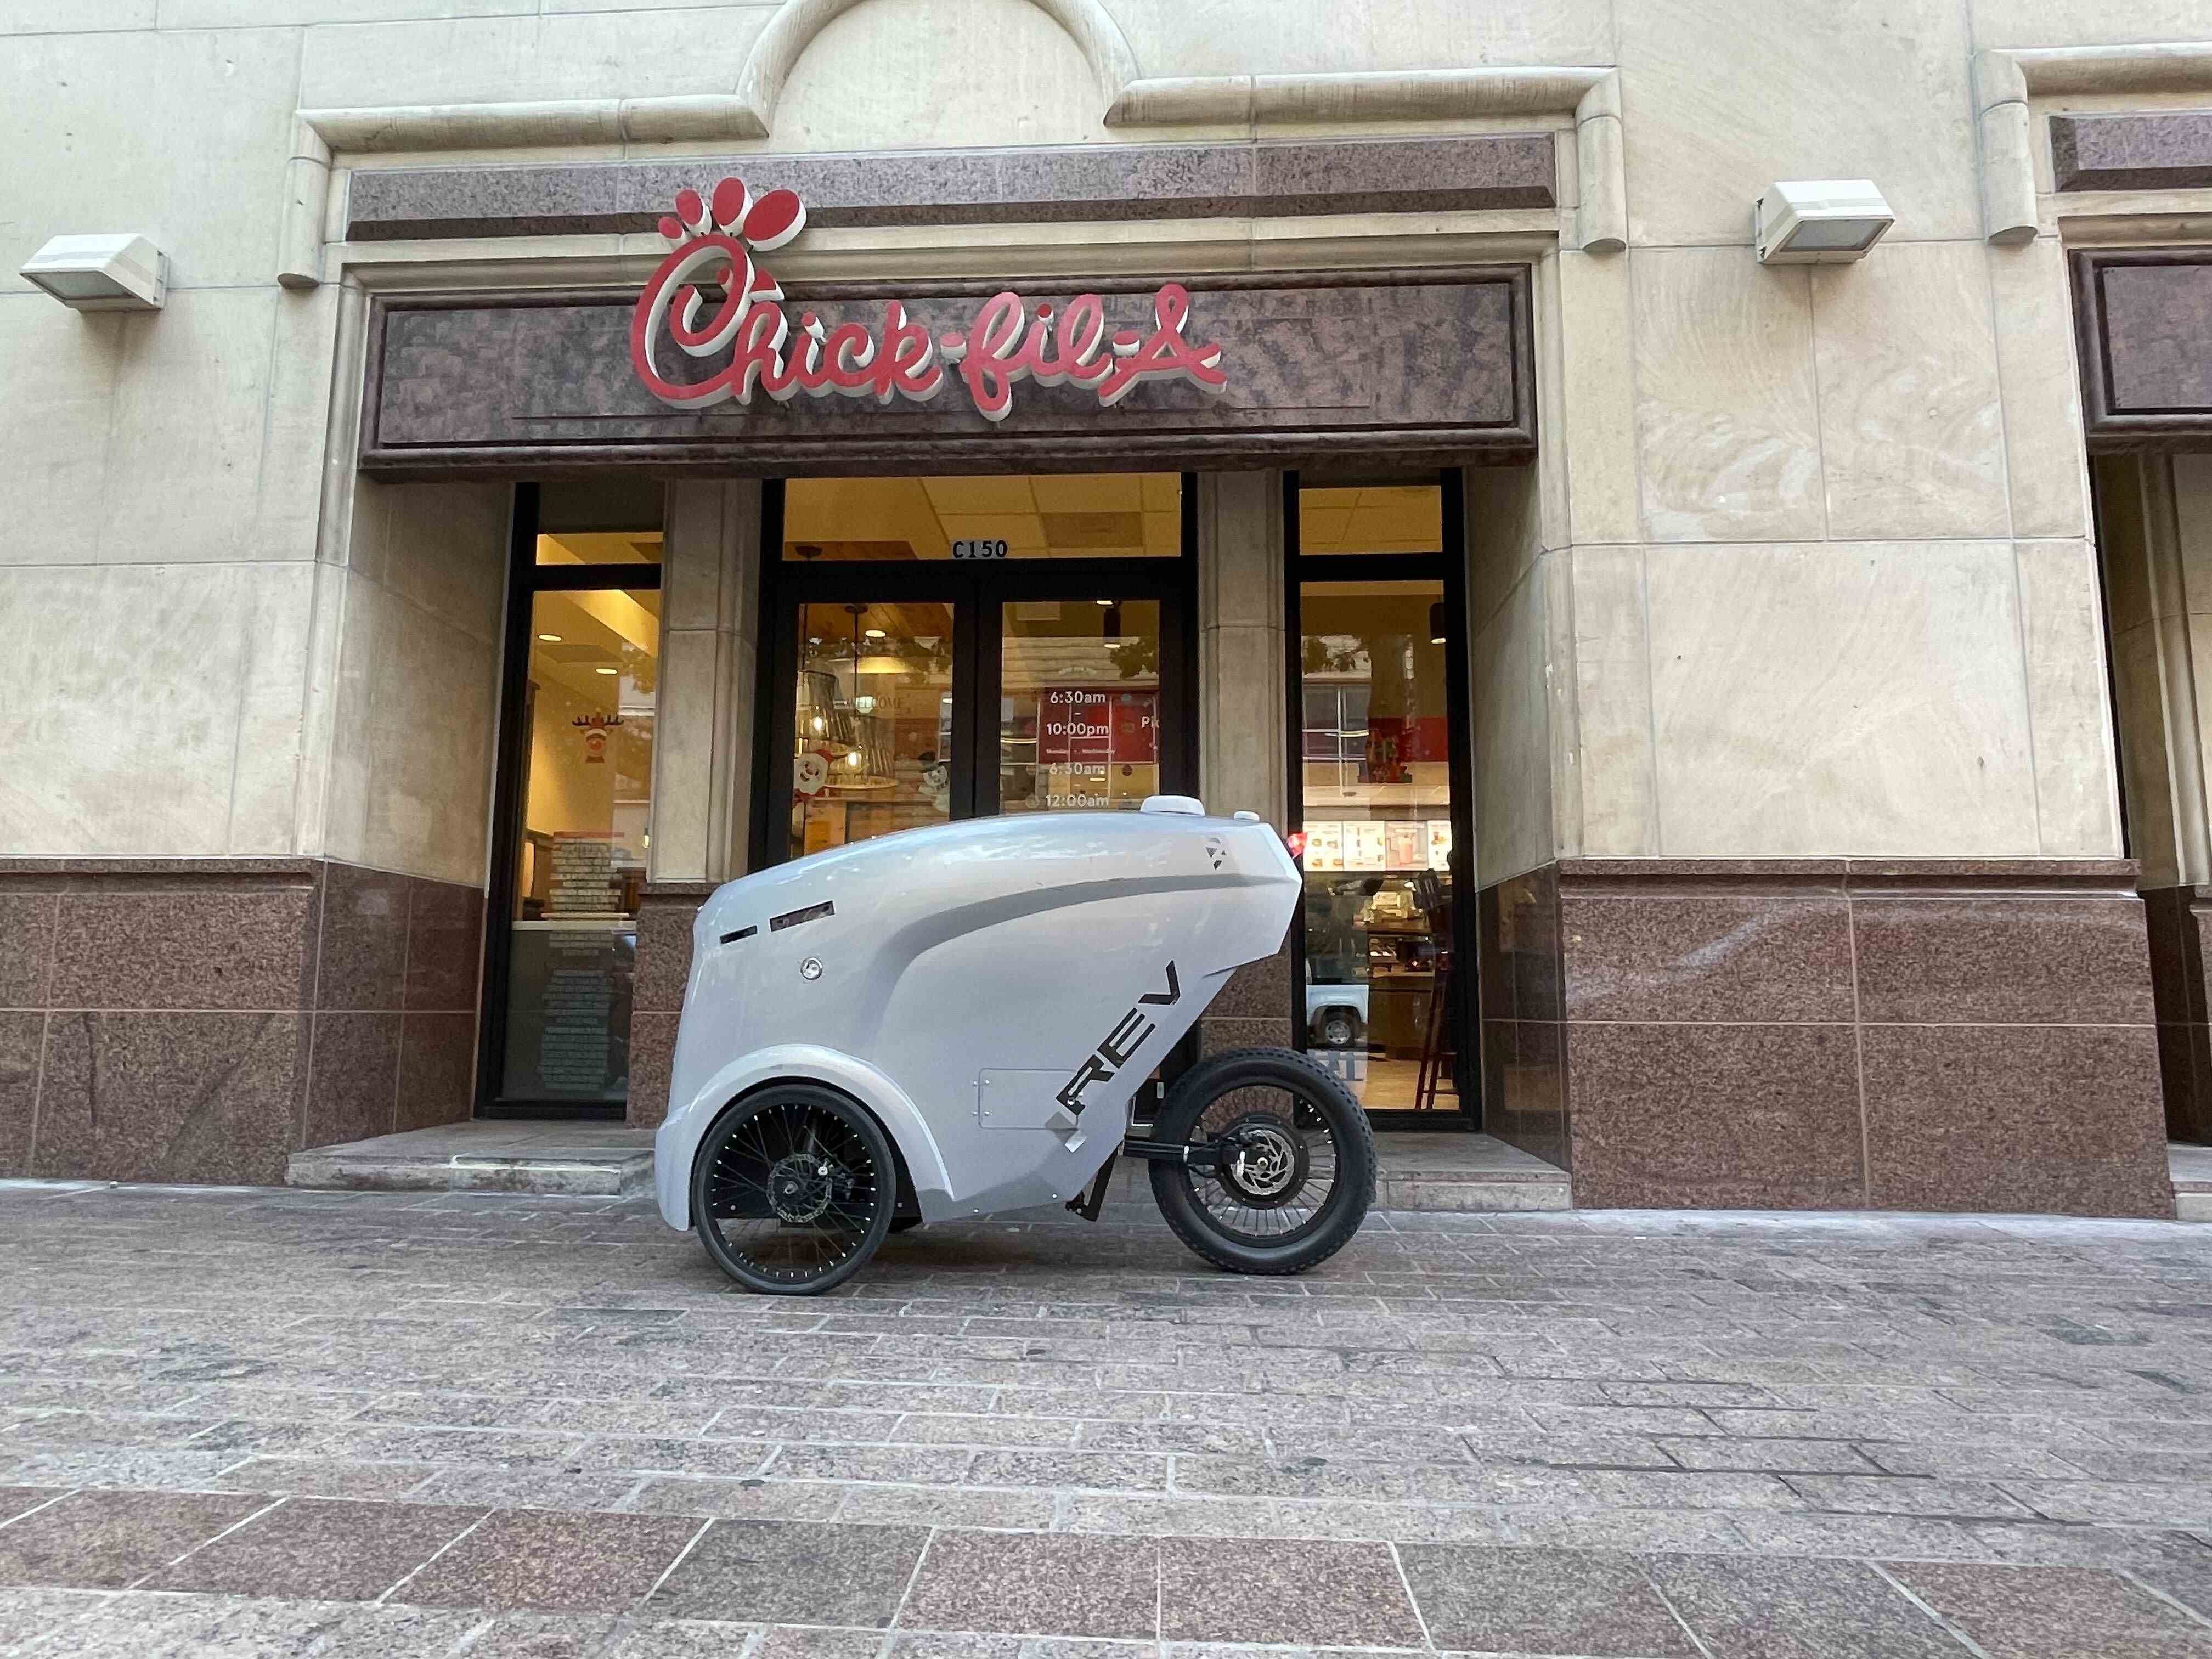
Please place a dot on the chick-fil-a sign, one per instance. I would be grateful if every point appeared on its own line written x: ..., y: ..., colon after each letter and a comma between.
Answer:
x: 1009, y: 341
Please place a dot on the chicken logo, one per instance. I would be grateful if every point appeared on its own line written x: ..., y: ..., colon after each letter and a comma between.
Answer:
x: 716, y: 237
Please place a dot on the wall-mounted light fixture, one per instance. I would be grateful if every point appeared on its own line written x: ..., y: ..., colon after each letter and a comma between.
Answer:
x: 1819, y: 222
x: 121, y: 272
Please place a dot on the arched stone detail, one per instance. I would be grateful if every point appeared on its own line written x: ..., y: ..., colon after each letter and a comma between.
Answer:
x: 791, y: 30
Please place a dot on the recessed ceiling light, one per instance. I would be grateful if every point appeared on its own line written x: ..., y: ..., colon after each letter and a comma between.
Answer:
x: 607, y: 670
x: 874, y: 633
x: 550, y: 638
x: 1109, y: 603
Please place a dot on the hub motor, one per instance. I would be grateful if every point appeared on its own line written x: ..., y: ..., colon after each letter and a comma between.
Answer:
x: 800, y: 1187
x: 1269, y: 1162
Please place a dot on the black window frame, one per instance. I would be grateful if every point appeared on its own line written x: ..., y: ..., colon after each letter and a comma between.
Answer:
x: 526, y: 580
x: 1447, y: 565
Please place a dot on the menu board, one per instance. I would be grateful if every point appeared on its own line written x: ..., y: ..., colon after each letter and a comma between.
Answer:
x: 582, y: 880
x: 1397, y: 844
x: 1325, y: 845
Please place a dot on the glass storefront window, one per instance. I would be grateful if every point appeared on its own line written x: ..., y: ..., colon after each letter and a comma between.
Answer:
x: 1376, y: 726
x: 1370, y: 518
x: 872, y: 742
x: 1082, y: 515
x: 581, y: 798
x: 1079, y: 705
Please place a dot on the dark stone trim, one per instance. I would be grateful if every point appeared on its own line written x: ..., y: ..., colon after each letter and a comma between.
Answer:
x: 1962, y: 1034
x: 1047, y: 185
x: 199, y: 1019
x: 2142, y: 323
x: 719, y: 443
x: 2163, y: 150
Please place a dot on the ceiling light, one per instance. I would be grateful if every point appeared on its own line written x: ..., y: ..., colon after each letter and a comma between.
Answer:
x: 606, y: 671
x: 1105, y: 601
x: 550, y: 638
x: 853, y: 760
x: 874, y: 633
x: 119, y: 272
x: 1437, y: 622
x: 1819, y: 222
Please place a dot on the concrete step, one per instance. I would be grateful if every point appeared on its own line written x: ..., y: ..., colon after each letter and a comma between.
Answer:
x: 1457, y: 1173
x: 580, y: 1159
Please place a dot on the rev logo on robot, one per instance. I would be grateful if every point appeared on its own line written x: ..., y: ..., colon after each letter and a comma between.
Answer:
x: 716, y: 237
x: 1116, y: 1047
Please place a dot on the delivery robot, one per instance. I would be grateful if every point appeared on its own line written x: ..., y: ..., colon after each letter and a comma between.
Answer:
x: 952, y: 1021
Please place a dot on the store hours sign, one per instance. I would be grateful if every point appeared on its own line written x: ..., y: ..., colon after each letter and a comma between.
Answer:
x: 1008, y: 340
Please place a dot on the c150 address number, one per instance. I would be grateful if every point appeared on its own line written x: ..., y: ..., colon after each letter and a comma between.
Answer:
x: 966, y: 550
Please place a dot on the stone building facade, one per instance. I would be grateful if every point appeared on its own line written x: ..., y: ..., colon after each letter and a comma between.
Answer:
x: 1816, y: 781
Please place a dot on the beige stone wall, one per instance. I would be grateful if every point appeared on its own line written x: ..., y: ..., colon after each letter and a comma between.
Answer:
x: 414, y: 705
x: 1805, y: 566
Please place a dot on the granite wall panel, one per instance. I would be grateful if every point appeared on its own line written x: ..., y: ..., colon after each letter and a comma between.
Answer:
x: 1040, y: 184
x: 663, y: 967
x: 1956, y: 1035
x: 199, y: 1019
x: 22, y: 1045
x: 171, y: 1096
x: 2143, y: 325
x: 2166, y: 150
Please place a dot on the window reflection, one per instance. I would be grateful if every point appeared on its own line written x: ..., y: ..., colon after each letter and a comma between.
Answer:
x: 1376, y: 752
x: 871, y: 738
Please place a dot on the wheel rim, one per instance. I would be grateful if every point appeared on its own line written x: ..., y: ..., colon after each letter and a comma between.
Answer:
x: 1337, y: 1034
x: 792, y: 1192
x: 1281, y: 1185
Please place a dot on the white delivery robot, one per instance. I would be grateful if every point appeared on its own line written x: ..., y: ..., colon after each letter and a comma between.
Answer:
x: 950, y: 1022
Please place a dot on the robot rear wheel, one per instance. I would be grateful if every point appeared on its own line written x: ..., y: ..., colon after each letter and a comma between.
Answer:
x: 794, y: 1188
x: 1281, y: 1167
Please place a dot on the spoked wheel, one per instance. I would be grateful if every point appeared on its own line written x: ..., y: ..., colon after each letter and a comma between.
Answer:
x: 1286, y: 1172
x: 794, y: 1190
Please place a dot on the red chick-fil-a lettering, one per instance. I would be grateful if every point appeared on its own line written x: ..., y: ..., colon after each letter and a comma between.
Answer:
x: 710, y: 296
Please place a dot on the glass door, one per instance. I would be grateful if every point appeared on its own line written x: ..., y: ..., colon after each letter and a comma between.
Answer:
x: 1080, y: 719
x: 870, y: 738
x: 954, y: 647
x: 575, y: 817
x: 1380, y: 792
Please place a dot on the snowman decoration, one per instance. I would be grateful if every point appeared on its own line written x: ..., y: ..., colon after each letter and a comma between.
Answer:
x: 936, y: 780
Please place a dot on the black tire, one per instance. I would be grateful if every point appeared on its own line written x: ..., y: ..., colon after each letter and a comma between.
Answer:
x: 792, y: 1189
x: 1311, y: 1206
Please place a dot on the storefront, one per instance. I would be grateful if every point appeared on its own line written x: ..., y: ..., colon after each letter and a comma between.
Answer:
x: 927, y: 645
x: 1702, y: 688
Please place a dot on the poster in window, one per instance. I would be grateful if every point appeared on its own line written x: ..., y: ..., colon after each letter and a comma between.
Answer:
x: 1365, y: 846
x: 1440, y: 843
x: 1325, y: 845
x: 1403, y: 846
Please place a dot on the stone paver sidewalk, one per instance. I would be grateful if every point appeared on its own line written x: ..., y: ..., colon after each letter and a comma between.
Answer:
x: 347, y: 1425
